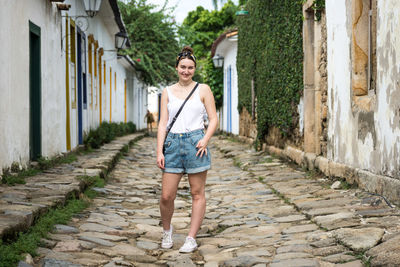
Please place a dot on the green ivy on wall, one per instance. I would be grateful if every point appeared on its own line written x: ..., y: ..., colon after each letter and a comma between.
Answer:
x: 319, y: 7
x: 270, y: 51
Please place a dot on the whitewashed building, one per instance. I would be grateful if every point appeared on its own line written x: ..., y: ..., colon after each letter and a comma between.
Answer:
x: 351, y: 108
x: 225, y: 47
x: 363, y: 84
x: 32, y: 99
x: 60, y: 76
x: 106, y: 87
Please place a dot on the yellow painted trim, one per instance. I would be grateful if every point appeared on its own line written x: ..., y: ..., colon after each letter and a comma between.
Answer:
x: 101, y: 89
x: 115, y: 81
x: 125, y: 101
x: 96, y: 46
x: 110, y: 94
x: 90, y: 59
x: 67, y: 126
x: 105, y: 73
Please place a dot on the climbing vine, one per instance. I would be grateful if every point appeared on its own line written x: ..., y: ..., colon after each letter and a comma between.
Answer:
x: 270, y: 53
x: 319, y: 7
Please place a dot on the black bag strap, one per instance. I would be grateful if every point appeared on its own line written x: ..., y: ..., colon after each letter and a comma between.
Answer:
x: 180, y: 109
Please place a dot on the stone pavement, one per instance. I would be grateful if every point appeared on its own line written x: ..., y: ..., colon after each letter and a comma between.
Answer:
x: 263, y: 213
x: 21, y: 205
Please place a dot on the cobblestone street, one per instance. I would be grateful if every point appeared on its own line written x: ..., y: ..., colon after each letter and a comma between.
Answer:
x: 260, y: 212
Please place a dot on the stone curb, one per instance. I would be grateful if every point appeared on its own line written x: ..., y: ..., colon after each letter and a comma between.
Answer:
x: 22, y: 205
x: 374, y: 183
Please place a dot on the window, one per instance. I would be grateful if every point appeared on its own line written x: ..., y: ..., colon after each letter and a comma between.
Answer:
x: 90, y: 38
x: 72, y: 64
x: 363, y: 47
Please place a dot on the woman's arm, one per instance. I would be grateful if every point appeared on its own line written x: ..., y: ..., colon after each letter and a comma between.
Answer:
x: 209, y: 103
x: 162, y: 127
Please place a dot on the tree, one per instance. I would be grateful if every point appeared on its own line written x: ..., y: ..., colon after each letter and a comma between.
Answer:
x: 153, y: 40
x: 200, y: 29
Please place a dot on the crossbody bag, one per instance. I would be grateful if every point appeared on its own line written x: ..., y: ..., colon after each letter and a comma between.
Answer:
x: 177, y: 114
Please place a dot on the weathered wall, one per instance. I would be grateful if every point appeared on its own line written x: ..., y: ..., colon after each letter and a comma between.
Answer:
x: 323, y: 86
x: 312, y: 108
x: 365, y: 138
x: 247, y: 126
x: 14, y: 79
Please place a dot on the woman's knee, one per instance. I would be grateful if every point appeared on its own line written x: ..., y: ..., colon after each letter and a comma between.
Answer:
x: 198, y: 194
x: 167, y: 198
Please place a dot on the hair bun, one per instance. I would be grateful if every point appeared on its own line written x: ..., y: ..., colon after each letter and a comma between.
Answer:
x: 187, y: 49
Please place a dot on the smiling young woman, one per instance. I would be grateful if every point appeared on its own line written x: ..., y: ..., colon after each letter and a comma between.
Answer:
x: 185, y: 146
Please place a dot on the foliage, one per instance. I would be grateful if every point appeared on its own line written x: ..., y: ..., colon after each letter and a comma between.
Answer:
x: 270, y: 52
x: 318, y: 6
x: 214, y: 77
x: 201, y: 27
x: 19, y: 177
x: 92, y: 181
x: 15, y: 175
x: 199, y: 30
x: 153, y: 40
x: 104, y: 134
x: 46, y: 163
x: 10, y: 253
x: 107, y: 132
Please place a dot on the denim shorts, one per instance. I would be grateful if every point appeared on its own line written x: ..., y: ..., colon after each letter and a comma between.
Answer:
x: 180, y: 153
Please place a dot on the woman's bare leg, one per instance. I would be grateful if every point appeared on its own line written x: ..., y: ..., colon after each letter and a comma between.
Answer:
x: 170, y: 183
x: 197, y: 186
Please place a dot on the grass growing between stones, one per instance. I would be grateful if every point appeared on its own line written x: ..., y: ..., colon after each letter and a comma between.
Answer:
x: 237, y: 162
x: 12, y: 253
x: 366, y: 261
x: 281, y: 196
x: 15, y: 176
x: 19, y: 178
x: 92, y: 181
x: 221, y: 228
x: 345, y: 185
x: 13, y: 249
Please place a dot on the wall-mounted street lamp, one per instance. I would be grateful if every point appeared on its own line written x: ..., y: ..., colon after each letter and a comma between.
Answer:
x: 218, y: 61
x: 92, y: 7
x: 120, y: 40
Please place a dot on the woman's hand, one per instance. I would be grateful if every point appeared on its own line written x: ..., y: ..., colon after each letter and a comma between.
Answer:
x: 160, y: 161
x: 201, y: 147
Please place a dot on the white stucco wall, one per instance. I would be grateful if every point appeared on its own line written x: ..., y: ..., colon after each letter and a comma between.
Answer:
x: 14, y: 79
x: 228, y: 49
x: 368, y: 140
x: 140, y: 103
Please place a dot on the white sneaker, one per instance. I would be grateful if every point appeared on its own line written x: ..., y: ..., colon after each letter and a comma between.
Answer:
x: 167, y: 241
x: 189, y: 246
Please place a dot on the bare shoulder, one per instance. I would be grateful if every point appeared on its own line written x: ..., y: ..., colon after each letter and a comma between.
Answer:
x: 164, y: 93
x: 205, y: 89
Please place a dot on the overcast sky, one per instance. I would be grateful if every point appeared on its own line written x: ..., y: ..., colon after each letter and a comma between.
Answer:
x: 185, y: 6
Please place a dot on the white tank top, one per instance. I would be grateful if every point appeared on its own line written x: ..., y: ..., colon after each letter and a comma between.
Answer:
x: 192, y: 115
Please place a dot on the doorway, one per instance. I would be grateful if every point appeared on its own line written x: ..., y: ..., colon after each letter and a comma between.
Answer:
x: 81, y: 85
x: 229, y: 100
x: 35, y: 83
